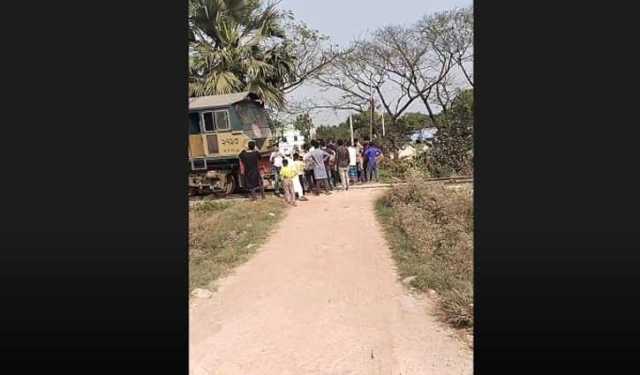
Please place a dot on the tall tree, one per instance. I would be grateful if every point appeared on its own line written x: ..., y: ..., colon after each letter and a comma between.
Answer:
x: 312, y: 52
x: 247, y: 45
x: 238, y: 45
x: 361, y: 75
x: 405, y: 55
x: 451, y: 33
x: 354, y: 77
x: 304, y: 125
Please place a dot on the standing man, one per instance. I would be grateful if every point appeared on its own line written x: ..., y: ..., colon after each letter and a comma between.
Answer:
x: 249, y: 166
x: 317, y: 157
x: 353, y: 160
x: 359, y: 160
x: 309, y: 165
x: 373, y: 154
x: 334, y: 175
x: 276, y: 163
x: 329, y: 163
x: 343, y: 161
x: 365, y: 160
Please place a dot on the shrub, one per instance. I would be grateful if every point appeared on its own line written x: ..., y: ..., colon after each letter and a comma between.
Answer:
x: 430, y: 228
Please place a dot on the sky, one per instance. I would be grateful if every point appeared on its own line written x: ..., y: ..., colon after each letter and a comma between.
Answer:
x: 346, y: 20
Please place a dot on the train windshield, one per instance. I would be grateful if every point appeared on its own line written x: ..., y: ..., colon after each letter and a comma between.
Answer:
x: 254, y: 120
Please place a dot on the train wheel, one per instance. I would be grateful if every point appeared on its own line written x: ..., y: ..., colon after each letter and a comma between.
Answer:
x: 230, y: 184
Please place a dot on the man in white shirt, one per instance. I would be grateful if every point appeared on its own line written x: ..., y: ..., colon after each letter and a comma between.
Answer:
x: 276, y: 164
x: 353, y: 168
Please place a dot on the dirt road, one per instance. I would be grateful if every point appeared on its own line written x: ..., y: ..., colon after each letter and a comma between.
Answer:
x: 322, y: 297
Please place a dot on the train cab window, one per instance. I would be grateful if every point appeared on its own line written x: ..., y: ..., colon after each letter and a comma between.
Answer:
x: 222, y: 120
x: 194, y: 123
x: 209, y: 124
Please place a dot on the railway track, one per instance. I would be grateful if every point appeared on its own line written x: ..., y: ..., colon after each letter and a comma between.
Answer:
x: 450, y: 181
x: 446, y: 180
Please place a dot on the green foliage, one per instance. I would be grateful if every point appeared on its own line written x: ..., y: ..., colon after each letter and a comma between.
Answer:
x: 247, y: 45
x: 396, y: 134
x: 304, y: 124
x: 415, y: 121
x: 277, y: 127
x: 400, y: 170
x: 333, y: 132
x: 452, y: 152
x: 238, y: 46
x: 342, y: 131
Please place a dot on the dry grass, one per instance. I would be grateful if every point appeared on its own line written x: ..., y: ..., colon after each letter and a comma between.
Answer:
x: 430, y: 230
x: 223, y: 234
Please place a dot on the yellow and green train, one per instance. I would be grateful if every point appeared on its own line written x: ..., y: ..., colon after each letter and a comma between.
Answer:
x: 220, y: 127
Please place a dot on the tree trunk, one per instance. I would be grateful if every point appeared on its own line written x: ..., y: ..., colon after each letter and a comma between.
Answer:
x: 464, y: 71
x: 442, y: 104
x: 431, y: 115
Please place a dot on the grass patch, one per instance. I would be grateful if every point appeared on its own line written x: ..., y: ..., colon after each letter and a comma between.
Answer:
x: 430, y: 230
x: 224, y: 234
x: 399, y: 170
x: 385, y: 175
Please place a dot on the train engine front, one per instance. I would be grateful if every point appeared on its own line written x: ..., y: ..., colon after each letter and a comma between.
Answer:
x: 220, y: 126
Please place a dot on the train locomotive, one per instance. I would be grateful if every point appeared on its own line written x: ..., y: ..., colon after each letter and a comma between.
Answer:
x: 220, y: 127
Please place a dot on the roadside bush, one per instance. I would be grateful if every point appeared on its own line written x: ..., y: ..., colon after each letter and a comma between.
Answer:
x: 430, y: 228
x: 399, y: 170
x: 452, y: 152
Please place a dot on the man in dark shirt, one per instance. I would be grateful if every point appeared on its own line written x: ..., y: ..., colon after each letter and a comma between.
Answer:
x: 249, y: 160
x: 342, y: 161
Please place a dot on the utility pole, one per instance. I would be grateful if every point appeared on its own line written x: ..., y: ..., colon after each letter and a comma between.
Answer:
x: 383, y: 133
x: 351, y: 128
x: 371, y: 119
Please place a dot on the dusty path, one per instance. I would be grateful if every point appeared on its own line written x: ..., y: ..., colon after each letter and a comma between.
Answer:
x: 322, y: 297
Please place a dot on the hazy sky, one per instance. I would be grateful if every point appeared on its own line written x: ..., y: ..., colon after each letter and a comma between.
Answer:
x: 346, y: 20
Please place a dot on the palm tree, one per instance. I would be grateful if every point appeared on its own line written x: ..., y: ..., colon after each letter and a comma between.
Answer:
x: 238, y: 45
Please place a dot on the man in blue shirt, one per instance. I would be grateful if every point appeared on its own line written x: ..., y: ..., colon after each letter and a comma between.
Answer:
x: 373, y: 155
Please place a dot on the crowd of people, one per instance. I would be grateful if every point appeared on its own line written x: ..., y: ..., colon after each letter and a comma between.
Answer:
x: 319, y: 166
